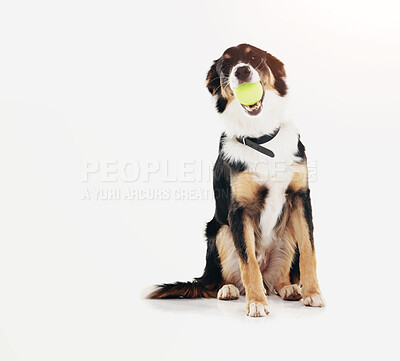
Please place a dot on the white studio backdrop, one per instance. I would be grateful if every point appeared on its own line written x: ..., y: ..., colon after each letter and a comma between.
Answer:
x: 107, y: 138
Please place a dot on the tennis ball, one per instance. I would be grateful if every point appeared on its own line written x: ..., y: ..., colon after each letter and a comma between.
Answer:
x: 249, y: 93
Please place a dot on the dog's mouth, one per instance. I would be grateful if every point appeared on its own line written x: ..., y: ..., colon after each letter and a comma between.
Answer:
x: 255, y: 108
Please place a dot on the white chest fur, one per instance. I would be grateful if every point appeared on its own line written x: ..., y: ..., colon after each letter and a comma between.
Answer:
x: 276, y: 173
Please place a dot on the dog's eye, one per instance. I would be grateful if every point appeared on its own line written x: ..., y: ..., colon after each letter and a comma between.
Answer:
x: 253, y: 57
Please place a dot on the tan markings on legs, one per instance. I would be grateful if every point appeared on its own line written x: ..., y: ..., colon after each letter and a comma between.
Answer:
x: 229, y: 259
x: 300, y: 177
x: 251, y: 276
x: 307, y: 262
x: 250, y: 195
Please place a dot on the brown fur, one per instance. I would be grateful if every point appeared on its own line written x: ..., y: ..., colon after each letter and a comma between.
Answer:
x: 308, y: 262
x: 283, y: 277
x: 182, y: 290
x: 229, y: 259
x: 244, y: 188
x: 268, y: 80
x: 250, y: 195
x: 300, y: 177
x: 227, y: 93
x: 250, y: 270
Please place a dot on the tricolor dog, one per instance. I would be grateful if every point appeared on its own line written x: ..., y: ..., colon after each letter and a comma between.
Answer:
x: 261, y: 237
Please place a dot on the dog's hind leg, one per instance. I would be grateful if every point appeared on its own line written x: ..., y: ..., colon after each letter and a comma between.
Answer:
x: 286, y: 289
x: 233, y: 285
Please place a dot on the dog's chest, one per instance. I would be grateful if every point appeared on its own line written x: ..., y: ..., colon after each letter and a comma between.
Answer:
x: 274, y: 173
x: 276, y: 177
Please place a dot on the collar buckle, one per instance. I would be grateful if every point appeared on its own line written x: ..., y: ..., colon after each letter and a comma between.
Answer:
x: 255, y: 143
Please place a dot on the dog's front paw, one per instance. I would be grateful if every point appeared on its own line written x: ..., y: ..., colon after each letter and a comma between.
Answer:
x: 257, y: 309
x: 290, y: 292
x: 314, y: 300
x: 228, y: 292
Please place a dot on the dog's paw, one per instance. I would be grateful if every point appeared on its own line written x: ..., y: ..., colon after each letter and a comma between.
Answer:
x: 257, y: 309
x: 314, y: 300
x: 228, y: 292
x: 290, y: 292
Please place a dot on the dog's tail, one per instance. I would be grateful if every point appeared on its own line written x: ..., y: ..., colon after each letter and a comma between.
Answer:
x: 205, y: 286
x: 195, y: 289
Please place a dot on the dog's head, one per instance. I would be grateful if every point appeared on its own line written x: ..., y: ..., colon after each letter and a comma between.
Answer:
x: 245, y: 64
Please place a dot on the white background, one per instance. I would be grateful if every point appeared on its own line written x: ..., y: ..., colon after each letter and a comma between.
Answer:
x: 118, y: 82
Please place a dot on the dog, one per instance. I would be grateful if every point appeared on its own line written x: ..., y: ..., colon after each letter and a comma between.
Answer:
x: 260, y: 239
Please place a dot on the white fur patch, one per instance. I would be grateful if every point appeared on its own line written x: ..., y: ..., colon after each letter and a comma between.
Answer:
x: 228, y: 292
x: 257, y: 309
x: 315, y: 300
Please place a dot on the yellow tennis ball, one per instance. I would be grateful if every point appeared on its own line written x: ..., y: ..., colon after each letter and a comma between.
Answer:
x: 249, y: 93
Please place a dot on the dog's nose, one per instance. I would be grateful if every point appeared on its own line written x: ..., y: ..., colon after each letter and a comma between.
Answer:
x: 243, y: 73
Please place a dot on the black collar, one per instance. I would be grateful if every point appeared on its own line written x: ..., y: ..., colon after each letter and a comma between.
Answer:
x: 255, y: 142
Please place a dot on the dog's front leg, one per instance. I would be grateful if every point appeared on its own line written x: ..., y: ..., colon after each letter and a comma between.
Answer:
x: 301, y: 221
x: 244, y: 239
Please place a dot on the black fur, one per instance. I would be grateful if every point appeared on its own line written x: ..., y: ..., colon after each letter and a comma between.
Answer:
x: 213, y: 80
x: 302, y: 199
x: 306, y: 202
x: 222, y: 185
x: 221, y: 104
x: 212, y: 272
x: 214, y: 87
x: 223, y: 203
x: 301, y: 150
x: 223, y: 197
x: 236, y: 224
x: 295, y: 268
x: 278, y: 70
x: 222, y: 190
x: 180, y: 290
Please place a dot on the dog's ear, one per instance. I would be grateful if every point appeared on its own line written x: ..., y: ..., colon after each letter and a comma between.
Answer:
x: 213, y: 80
x: 278, y: 70
x: 213, y: 83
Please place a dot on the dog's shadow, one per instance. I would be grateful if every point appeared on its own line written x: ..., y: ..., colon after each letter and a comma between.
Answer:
x: 236, y: 308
